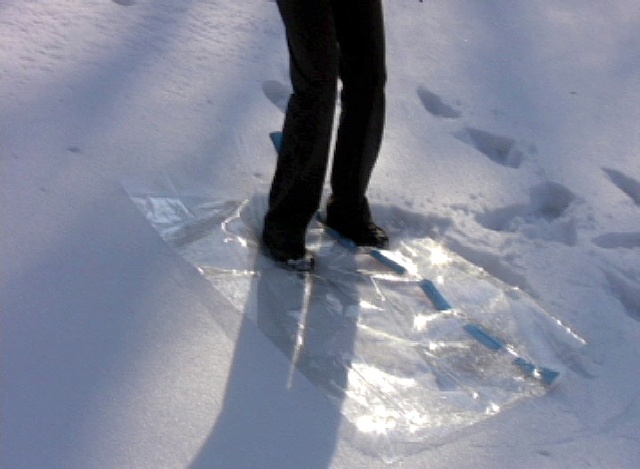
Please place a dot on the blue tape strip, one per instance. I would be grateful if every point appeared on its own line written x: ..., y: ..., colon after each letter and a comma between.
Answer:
x: 384, y: 259
x: 432, y: 292
x: 546, y: 375
x: 482, y: 336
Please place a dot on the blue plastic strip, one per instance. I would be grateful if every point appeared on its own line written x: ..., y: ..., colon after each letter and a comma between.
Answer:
x: 482, y: 336
x: 384, y: 259
x: 527, y: 368
x: 434, y: 295
x: 276, y: 139
x: 546, y: 375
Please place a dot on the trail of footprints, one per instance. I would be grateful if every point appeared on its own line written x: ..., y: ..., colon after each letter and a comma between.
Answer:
x: 548, y: 201
x: 548, y: 213
x: 499, y: 149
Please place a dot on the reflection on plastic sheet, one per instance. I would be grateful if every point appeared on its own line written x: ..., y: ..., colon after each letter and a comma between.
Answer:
x: 405, y: 373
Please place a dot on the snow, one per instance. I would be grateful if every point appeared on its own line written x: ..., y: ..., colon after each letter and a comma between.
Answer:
x: 511, y: 141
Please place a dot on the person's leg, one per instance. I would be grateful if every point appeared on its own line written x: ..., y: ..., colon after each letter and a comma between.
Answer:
x: 360, y: 32
x: 302, y: 161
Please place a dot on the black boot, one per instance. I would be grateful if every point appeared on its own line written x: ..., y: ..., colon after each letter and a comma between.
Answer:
x: 290, y: 254
x: 355, y: 223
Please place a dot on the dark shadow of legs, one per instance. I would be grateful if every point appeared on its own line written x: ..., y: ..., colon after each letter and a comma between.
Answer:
x: 273, y: 416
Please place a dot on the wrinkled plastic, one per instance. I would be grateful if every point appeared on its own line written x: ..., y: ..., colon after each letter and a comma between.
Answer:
x: 402, y: 367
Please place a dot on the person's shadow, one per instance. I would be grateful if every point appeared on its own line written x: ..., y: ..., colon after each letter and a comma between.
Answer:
x: 286, y: 413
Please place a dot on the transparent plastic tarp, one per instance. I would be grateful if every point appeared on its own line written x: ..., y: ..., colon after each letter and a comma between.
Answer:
x: 405, y: 374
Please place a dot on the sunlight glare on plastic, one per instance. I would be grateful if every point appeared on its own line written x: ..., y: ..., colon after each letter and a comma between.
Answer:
x: 421, y: 321
x: 379, y: 422
x: 492, y: 409
x: 439, y: 256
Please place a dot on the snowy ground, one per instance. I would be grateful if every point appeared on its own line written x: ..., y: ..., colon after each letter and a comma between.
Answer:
x: 511, y: 140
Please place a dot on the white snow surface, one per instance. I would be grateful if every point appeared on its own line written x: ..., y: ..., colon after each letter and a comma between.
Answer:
x: 511, y: 141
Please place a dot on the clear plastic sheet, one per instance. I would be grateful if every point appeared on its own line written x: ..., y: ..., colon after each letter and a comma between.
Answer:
x: 404, y: 374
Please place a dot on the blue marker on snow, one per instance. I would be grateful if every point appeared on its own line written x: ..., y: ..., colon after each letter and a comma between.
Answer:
x: 432, y: 292
x: 380, y: 256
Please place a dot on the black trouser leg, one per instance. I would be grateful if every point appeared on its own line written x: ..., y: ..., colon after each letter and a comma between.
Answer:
x: 360, y: 30
x: 302, y: 161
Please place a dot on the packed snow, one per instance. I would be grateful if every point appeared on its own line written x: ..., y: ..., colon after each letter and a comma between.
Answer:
x: 143, y: 328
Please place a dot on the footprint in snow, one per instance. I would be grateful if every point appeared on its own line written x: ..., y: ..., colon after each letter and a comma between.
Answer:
x: 626, y: 184
x: 627, y: 292
x: 544, y: 217
x: 278, y: 93
x: 501, y: 150
x: 435, y: 106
